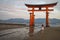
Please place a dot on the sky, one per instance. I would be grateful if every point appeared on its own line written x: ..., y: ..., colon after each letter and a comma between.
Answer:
x: 17, y: 9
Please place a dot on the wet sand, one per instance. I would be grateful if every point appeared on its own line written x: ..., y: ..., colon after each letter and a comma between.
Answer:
x: 50, y: 33
x: 16, y: 33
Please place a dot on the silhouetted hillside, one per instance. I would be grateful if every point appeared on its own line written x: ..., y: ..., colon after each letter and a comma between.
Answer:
x: 16, y: 20
x: 39, y: 20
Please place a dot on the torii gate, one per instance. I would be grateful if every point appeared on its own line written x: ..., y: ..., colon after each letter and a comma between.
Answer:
x: 40, y: 6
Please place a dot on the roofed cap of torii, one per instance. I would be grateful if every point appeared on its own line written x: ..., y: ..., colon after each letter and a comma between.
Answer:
x: 41, y: 5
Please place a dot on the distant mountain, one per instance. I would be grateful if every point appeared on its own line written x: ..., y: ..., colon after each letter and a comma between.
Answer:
x: 15, y: 20
x: 39, y: 20
x: 51, y: 21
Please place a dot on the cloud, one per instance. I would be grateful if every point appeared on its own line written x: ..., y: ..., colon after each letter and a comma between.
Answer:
x: 8, y: 15
x: 17, y: 8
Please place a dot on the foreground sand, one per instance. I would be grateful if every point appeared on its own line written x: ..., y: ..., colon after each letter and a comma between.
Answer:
x: 51, y: 33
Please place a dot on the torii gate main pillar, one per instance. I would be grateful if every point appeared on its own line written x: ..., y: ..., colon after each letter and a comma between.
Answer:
x: 31, y: 29
x: 47, y: 17
x: 32, y: 18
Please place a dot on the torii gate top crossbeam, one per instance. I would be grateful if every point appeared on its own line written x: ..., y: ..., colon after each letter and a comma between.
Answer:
x: 40, y: 5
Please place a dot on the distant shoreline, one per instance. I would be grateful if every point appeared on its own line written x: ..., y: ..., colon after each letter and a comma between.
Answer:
x: 4, y: 26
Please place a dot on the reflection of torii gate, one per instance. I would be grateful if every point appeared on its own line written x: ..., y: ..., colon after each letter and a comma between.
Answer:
x: 40, y: 9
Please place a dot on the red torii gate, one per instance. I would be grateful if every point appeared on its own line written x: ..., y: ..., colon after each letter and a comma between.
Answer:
x: 40, y: 6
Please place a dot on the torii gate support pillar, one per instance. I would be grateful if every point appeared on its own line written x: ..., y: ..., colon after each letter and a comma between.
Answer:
x: 31, y: 29
x: 47, y: 16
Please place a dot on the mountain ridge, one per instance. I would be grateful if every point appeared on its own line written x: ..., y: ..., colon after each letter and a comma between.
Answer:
x: 38, y: 20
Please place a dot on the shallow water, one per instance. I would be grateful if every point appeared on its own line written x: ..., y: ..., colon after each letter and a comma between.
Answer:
x: 17, y: 34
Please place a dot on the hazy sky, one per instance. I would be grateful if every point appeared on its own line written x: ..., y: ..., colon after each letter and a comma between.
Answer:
x: 17, y: 9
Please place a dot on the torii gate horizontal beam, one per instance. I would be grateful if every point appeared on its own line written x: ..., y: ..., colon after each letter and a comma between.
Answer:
x: 42, y: 10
